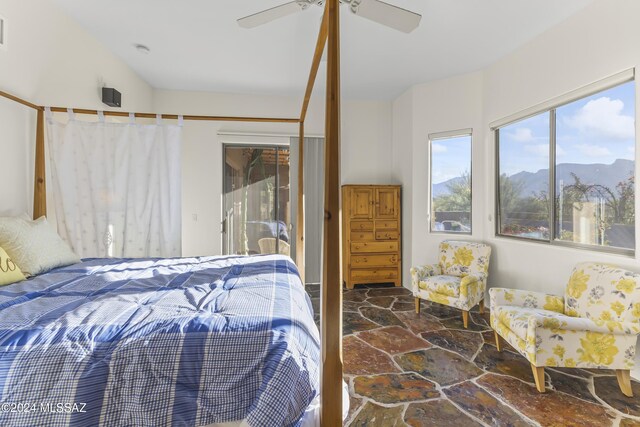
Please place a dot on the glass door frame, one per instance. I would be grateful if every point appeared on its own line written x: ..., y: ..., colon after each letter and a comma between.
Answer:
x: 224, y: 223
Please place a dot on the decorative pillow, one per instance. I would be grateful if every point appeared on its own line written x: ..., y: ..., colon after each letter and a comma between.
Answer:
x: 9, y: 271
x: 34, y: 245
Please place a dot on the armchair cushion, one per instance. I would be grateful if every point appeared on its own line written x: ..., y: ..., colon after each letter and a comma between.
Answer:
x: 444, y: 285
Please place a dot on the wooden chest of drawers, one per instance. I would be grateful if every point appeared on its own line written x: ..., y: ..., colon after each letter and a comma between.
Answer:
x: 371, y: 234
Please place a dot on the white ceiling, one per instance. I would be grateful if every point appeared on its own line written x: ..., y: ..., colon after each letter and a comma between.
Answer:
x: 197, y: 45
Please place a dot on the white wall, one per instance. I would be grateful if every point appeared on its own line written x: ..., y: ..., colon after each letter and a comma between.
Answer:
x: 402, y: 172
x: 50, y: 60
x: 450, y: 104
x: 600, y: 41
x: 366, y: 136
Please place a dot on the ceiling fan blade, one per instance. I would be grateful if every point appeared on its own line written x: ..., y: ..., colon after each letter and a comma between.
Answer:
x: 269, y: 15
x: 387, y: 14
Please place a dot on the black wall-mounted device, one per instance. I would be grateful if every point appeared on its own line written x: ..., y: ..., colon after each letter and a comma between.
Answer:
x: 111, y: 97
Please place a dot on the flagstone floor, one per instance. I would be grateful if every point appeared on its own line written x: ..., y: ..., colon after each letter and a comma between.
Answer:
x: 407, y: 369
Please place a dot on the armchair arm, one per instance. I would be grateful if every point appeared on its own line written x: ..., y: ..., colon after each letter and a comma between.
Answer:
x: 558, y: 324
x: 520, y: 298
x: 475, y: 282
x: 422, y: 272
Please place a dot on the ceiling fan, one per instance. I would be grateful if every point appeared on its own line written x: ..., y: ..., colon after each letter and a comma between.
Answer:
x: 374, y: 10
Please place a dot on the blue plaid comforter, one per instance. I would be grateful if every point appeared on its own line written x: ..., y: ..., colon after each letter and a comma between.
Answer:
x: 149, y: 342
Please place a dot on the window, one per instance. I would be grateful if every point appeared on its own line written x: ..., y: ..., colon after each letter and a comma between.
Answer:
x: 450, y: 154
x: 524, y: 178
x: 567, y: 175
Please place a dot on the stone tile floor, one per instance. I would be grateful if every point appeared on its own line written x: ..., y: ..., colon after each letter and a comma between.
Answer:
x: 405, y: 369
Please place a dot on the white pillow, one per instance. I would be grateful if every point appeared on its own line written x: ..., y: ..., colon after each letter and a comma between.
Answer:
x: 34, y: 246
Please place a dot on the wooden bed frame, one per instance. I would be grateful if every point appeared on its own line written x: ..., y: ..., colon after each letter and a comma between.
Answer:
x: 331, y: 306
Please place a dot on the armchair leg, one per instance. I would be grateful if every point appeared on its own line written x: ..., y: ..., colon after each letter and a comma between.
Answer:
x: 624, y: 381
x: 465, y: 319
x: 538, y: 376
x: 498, y: 343
x: 417, y: 305
x: 482, y: 307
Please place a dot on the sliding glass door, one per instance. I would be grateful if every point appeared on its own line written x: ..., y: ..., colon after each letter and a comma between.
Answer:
x: 257, y: 210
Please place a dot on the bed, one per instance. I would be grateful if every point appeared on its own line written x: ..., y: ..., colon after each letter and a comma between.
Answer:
x: 154, y: 342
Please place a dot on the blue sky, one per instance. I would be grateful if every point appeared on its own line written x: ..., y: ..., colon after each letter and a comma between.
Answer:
x: 596, y: 129
x: 451, y: 157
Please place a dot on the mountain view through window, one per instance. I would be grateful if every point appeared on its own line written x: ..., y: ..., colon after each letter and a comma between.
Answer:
x: 451, y: 184
x: 593, y: 162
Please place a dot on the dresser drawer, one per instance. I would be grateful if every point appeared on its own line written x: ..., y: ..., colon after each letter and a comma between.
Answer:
x: 387, y: 225
x: 358, y: 236
x: 386, y: 235
x: 378, y: 247
x: 374, y: 261
x: 362, y: 225
x: 374, y: 274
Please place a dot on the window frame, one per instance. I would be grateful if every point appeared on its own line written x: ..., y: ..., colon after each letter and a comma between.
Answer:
x: 550, y: 107
x: 438, y: 136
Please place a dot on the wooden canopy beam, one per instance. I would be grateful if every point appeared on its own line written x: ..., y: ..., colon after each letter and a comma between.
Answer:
x: 20, y: 101
x: 315, y: 64
x: 331, y: 302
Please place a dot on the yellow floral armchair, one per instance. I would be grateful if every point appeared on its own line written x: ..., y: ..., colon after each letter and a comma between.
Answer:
x: 595, y: 325
x: 458, y: 280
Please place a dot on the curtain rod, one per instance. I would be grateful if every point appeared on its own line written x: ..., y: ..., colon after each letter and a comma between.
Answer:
x: 175, y: 116
x: 266, y: 135
x: 153, y: 116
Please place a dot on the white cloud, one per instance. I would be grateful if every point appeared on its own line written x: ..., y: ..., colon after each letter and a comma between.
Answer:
x: 630, y: 153
x: 522, y: 135
x: 593, y: 150
x: 604, y: 118
x: 560, y: 151
x: 438, y: 148
x: 538, y: 149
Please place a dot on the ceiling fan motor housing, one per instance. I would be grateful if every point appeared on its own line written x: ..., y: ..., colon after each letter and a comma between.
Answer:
x: 304, y: 4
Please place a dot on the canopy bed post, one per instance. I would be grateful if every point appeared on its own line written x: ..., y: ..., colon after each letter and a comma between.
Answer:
x: 331, y: 317
x: 40, y: 183
x: 300, y: 207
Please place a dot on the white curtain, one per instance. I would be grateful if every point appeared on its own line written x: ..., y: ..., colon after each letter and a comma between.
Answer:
x: 313, y: 203
x: 117, y: 187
